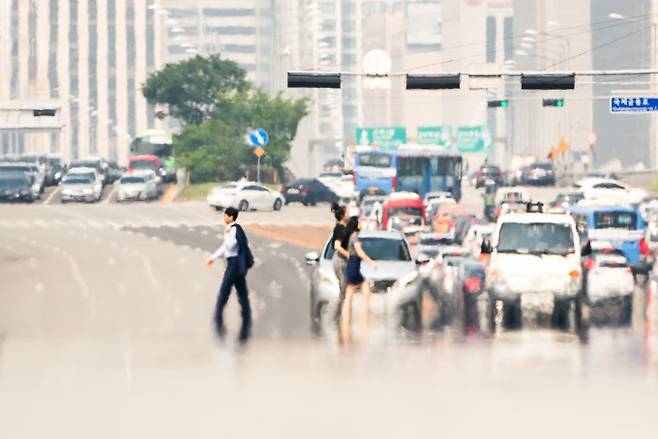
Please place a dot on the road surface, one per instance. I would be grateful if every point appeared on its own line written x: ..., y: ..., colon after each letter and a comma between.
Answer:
x: 105, y: 332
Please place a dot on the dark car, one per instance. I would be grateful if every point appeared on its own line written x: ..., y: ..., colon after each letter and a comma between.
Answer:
x: 16, y: 187
x: 539, y: 174
x: 488, y: 172
x: 566, y: 200
x: 307, y: 191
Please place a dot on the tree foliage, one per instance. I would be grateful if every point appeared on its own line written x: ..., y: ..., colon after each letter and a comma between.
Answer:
x: 194, y: 88
x: 216, y: 106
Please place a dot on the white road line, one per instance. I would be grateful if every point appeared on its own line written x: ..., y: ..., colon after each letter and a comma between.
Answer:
x: 51, y: 196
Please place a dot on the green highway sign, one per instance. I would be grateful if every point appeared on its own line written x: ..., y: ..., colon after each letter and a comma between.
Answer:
x: 384, y: 137
x: 473, y: 139
x: 441, y: 136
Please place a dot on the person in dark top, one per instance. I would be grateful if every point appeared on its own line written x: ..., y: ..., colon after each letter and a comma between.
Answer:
x: 354, y: 277
x: 339, y: 259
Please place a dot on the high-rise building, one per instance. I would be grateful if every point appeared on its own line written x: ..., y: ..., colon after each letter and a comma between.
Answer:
x: 92, y: 56
x: 239, y: 30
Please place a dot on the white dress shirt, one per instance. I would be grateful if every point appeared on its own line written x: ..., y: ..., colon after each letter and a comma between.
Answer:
x: 229, y: 247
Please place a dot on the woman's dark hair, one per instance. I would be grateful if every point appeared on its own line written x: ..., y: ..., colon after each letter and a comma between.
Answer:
x: 338, y: 211
x: 351, y: 227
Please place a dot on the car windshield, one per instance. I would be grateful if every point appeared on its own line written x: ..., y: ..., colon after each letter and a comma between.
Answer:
x: 615, y: 220
x: 385, y: 249
x: 142, y: 164
x: 87, y: 164
x: 132, y: 180
x: 491, y: 170
x: 9, y: 182
x: 536, y: 238
x: 75, y: 181
x: 376, y: 160
x: 544, y: 166
x: 405, y: 211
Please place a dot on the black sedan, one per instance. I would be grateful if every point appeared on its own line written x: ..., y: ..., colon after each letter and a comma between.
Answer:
x: 307, y: 192
x: 16, y: 188
x: 488, y: 172
x: 540, y: 174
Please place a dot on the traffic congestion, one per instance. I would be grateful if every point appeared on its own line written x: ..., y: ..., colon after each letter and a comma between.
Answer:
x: 566, y: 262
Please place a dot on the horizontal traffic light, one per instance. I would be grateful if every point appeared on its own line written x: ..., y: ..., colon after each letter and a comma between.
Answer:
x: 433, y: 82
x: 553, y: 103
x: 44, y: 112
x: 313, y: 80
x: 502, y: 103
x: 548, y: 81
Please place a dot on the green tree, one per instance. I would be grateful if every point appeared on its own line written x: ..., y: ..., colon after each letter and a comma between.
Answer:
x: 194, y: 89
x: 217, y: 106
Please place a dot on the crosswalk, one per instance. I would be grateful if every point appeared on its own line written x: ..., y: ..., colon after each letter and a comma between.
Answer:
x: 129, y: 223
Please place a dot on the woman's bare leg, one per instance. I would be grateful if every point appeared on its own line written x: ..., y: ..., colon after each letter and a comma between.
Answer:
x: 365, y: 292
x: 346, y: 314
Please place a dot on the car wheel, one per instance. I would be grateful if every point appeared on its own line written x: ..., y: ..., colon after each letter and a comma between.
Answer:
x: 243, y: 206
x: 277, y: 205
x: 218, y: 208
x: 627, y: 310
x: 564, y: 315
x: 411, y: 317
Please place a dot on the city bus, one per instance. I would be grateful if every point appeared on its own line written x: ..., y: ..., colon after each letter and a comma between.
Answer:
x: 160, y: 144
x: 421, y: 170
x: 374, y: 170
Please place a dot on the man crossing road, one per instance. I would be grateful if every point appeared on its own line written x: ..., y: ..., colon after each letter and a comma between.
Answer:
x: 239, y: 259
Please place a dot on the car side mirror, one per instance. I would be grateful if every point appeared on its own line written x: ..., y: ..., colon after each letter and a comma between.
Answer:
x: 312, y: 258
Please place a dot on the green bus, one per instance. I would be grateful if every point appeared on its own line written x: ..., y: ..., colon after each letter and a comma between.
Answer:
x: 158, y: 143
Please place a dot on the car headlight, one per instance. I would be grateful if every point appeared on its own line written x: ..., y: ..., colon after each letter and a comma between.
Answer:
x: 406, y: 280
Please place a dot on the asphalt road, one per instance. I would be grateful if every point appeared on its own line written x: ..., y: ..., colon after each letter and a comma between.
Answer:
x: 105, y: 332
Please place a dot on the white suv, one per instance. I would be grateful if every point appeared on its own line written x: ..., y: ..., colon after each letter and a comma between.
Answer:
x: 534, y: 266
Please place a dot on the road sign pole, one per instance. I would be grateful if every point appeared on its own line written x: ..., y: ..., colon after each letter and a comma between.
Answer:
x: 258, y: 170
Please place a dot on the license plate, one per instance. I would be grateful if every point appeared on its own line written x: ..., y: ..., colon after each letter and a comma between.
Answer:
x: 293, y: 191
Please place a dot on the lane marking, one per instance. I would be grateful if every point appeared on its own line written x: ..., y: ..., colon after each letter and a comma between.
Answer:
x: 51, y: 196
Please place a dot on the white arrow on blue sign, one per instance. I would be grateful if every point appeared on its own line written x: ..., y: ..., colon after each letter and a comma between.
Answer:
x: 258, y: 137
x: 635, y: 104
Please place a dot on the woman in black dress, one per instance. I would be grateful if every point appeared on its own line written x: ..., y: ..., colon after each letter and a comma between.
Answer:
x: 355, y: 279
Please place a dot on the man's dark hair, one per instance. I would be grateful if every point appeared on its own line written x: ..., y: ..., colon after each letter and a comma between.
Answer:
x: 232, y: 212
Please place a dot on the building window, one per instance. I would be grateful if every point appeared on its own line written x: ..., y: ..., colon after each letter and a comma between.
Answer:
x: 232, y: 30
x: 239, y: 48
x: 229, y: 12
x: 348, y: 59
x: 491, y: 39
x: 327, y: 7
x: 508, y: 29
x: 348, y: 43
x: 348, y: 26
x: 328, y: 26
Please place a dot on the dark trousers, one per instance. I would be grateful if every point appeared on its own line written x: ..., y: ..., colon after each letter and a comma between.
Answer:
x: 233, y: 278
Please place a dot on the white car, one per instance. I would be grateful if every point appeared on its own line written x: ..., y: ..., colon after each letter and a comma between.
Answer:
x: 136, y: 187
x: 609, y: 279
x: 534, y: 265
x: 90, y: 174
x: 244, y: 196
x: 430, y: 196
x: 611, y: 191
x: 153, y: 180
x: 343, y: 187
